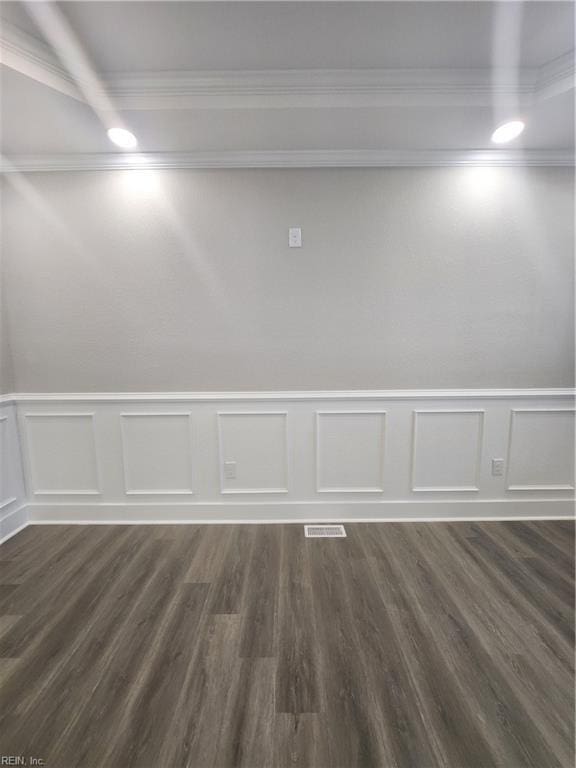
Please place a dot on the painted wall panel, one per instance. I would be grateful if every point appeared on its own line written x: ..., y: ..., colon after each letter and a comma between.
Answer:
x: 62, y: 453
x: 157, y: 453
x: 447, y: 446
x: 541, y: 453
x: 257, y: 443
x: 350, y: 451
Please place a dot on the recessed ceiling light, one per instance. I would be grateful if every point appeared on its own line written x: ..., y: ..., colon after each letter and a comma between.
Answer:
x: 122, y: 138
x: 507, y: 131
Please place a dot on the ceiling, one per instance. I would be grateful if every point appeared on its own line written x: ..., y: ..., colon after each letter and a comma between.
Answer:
x: 372, y: 80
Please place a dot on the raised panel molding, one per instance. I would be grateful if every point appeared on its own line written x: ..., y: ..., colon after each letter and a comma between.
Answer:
x: 157, y: 453
x: 541, y: 449
x: 62, y: 456
x: 258, y: 442
x: 362, y: 455
x: 451, y: 452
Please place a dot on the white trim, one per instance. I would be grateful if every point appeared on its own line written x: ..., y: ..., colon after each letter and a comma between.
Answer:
x: 9, y: 535
x: 172, y: 492
x: 331, y: 88
x: 18, y: 518
x: 550, y: 487
x: 300, y: 511
x: 300, y: 521
x: 30, y: 454
x: 479, y: 445
x: 557, y: 76
x: 287, y: 396
x: 314, y: 158
x: 350, y: 489
x: 235, y: 491
x: 29, y: 56
x: 516, y: 488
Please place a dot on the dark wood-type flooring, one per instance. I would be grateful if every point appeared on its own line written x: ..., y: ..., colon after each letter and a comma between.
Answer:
x: 404, y: 644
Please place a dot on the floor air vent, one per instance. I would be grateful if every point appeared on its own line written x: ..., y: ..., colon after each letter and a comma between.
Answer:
x: 324, y: 531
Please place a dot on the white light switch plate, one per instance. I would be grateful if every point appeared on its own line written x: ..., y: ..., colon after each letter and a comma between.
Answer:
x: 295, y: 237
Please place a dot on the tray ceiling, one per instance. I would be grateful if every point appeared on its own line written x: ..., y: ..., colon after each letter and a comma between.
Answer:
x: 396, y: 81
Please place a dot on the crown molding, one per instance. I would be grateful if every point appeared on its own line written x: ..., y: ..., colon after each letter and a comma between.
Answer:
x: 556, y: 77
x: 338, y: 88
x: 33, y: 58
x: 343, y: 158
x: 270, y: 89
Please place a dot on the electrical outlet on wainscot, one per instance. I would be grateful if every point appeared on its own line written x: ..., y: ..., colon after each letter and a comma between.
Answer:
x: 497, y: 467
x: 230, y: 470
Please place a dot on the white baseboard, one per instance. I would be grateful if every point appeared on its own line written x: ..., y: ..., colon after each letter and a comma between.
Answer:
x: 288, y: 512
x: 13, y: 522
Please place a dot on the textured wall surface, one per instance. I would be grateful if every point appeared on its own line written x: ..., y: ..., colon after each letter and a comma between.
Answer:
x: 6, y: 371
x: 6, y: 377
x: 183, y: 280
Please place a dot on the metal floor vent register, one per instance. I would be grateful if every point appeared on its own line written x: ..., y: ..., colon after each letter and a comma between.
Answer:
x: 324, y: 531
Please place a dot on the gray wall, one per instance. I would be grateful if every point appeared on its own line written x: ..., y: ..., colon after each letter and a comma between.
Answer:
x: 182, y: 280
x: 6, y: 371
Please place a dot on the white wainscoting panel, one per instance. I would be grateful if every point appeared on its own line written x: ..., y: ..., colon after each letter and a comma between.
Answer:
x: 447, y: 450
x: 258, y: 442
x: 157, y: 453
x: 541, y: 449
x: 62, y: 453
x: 350, y: 451
x: 298, y: 455
x: 13, y: 515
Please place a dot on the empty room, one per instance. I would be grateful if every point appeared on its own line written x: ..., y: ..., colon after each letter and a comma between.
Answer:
x: 287, y: 397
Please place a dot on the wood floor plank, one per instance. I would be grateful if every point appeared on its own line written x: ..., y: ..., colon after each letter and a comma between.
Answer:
x: 300, y: 741
x: 297, y: 683
x: 404, y: 645
x: 230, y: 583
x: 504, y: 723
x: 539, y: 544
x: 154, y: 706
x: 493, y: 639
x: 117, y: 677
x: 353, y: 718
x: 450, y: 720
x: 513, y: 579
x: 261, y: 596
x: 81, y: 667
x: 198, y: 726
x: 248, y: 737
